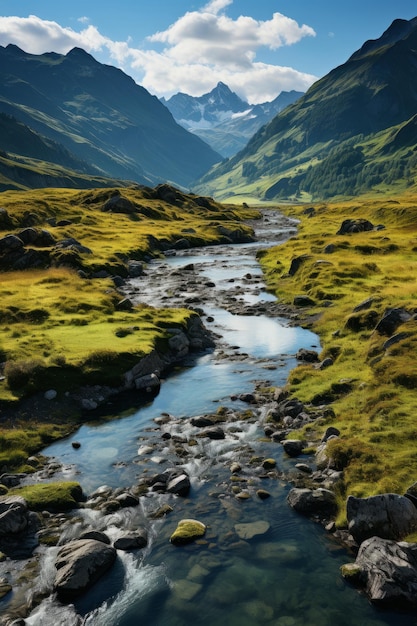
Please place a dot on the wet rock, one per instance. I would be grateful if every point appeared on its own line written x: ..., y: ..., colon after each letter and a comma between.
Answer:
x: 313, y: 502
x: 387, y: 571
x: 97, y: 535
x: 263, y: 494
x: 187, y: 531
x: 134, y: 269
x: 202, y: 421
x: 76, y: 445
x: 179, y: 485
x: 269, y: 464
x: 150, y: 383
x: 249, y: 398
x: 308, y: 356
x: 51, y: 394
x: 127, y: 500
x: 5, y: 587
x: 80, y: 564
x: 235, y: 467
x: 163, y: 510
x: 14, y: 515
x: 133, y: 540
x: 11, y: 480
x: 213, y: 433
x: 250, y: 530
x: 389, y: 516
x: 303, y: 467
x: 293, y: 447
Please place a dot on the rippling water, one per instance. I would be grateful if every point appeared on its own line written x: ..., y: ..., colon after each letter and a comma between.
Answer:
x: 286, y: 576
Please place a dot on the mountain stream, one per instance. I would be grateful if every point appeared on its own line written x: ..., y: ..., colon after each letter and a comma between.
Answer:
x: 287, y: 572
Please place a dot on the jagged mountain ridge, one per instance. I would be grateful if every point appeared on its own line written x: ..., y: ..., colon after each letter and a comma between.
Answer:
x: 222, y: 118
x: 100, y: 116
x: 337, y: 139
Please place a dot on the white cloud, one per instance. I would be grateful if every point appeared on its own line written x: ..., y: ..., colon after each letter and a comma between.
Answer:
x: 192, y: 55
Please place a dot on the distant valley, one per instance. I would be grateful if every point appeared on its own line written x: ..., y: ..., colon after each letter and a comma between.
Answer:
x: 353, y: 132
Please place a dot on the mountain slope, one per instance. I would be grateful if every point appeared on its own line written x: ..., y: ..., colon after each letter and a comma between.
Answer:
x: 222, y: 119
x: 100, y: 115
x: 344, y: 119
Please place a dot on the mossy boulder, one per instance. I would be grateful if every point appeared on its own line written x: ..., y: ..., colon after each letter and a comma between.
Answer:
x: 187, y: 531
x: 59, y: 496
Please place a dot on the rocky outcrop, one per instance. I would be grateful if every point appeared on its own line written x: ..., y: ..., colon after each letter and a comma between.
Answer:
x: 145, y: 375
x: 387, y: 572
x: 80, y: 564
x: 389, y: 516
x: 355, y: 226
x: 319, y: 503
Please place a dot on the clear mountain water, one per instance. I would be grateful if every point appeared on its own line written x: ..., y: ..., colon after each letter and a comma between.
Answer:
x: 285, y: 575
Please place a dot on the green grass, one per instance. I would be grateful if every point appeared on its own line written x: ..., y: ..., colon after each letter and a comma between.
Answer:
x: 53, y: 497
x: 372, y: 390
x: 62, y: 331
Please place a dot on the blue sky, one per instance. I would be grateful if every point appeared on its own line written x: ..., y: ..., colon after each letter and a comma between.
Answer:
x: 258, y: 47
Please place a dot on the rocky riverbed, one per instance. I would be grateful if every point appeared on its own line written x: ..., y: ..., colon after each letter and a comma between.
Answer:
x: 206, y: 484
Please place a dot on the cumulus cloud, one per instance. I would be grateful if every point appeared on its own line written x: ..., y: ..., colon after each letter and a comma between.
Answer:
x: 192, y: 55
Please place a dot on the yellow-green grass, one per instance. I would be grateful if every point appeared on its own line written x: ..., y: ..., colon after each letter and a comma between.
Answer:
x: 372, y: 390
x: 60, y: 331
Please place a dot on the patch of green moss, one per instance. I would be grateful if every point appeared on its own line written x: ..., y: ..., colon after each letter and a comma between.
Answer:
x: 187, y: 530
x: 53, y: 497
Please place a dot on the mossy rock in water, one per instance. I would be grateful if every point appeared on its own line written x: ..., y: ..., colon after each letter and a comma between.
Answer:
x: 59, y: 496
x: 187, y: 530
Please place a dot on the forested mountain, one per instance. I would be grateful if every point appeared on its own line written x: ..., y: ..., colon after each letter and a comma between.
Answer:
x: 98, y: 115
x: 222, y: 119
x: 353, y: 131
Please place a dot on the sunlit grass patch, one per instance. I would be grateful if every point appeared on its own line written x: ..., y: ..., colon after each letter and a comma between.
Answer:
x: 353, y: 280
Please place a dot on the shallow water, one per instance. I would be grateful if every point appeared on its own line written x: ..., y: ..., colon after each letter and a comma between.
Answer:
x: 288, y: 574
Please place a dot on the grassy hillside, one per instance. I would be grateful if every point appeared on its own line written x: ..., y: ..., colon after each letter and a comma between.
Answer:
x: 353, y: 132
x: 61, y: 321
x: 372, y: 383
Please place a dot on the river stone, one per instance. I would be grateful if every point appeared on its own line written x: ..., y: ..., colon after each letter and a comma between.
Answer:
x: 388, y: 515
x: 132, y: 540
x: 269, y: 464
x: 127, y: 499
x: 250, y: 530
x: 213, y: 433
x: 97, y: 535
x: 293, y: 447
x: 80, y: 564
x: 387, y: 571
x: 5, y: 587
x: 180, y: 485
x: 14, y: 515
x: 186, y: 589
x: 312, y: 502
x: 263, y: 494
x: 187, y: 531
